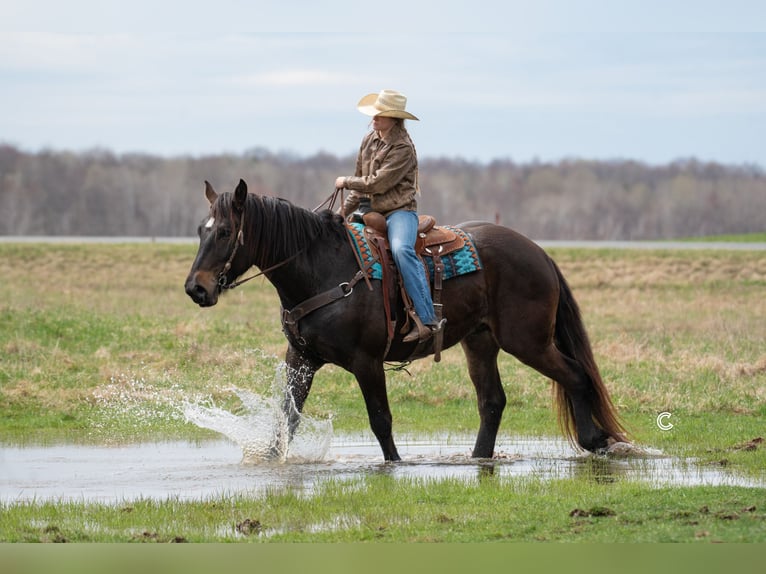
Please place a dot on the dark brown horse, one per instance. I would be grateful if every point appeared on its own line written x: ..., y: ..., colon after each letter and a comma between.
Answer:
x: 519, y: 302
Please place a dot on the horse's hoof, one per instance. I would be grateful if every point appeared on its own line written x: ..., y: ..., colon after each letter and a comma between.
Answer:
x: 596, y: 445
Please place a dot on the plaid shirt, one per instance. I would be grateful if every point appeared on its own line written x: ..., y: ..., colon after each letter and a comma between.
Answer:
x: 387, y: 171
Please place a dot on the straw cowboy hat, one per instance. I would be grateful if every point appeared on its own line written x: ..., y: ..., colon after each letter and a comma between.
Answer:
x: 387, y: 103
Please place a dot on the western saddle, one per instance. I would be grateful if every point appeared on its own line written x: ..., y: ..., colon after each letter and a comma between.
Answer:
x: 432, y: 241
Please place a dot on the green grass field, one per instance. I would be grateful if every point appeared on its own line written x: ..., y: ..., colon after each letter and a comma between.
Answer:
x: 85, y: 327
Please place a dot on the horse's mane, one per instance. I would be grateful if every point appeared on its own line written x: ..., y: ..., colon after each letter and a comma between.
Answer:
x: 276, y: 229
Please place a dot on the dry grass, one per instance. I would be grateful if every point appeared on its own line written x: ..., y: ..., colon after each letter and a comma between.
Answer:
x: 682, y: 330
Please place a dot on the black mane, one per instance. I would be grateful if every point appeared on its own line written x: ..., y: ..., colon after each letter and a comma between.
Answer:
x: 276, y: 228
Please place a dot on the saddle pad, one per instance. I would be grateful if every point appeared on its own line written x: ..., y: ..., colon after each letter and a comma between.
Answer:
x: 460, y: 262
x: 356, y: 230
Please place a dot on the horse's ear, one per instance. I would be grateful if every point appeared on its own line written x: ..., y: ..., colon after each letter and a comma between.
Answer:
x: 210, y: 193
x: 240, y: 195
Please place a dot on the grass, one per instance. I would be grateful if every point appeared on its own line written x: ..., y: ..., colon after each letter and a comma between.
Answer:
x: 99, y: 342
x: 383, y: 509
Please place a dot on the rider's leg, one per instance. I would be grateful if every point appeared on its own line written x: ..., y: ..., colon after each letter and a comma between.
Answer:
x: 402, y: 233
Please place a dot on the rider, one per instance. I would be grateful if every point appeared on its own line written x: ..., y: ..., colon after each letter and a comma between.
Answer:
x: 387, y: 174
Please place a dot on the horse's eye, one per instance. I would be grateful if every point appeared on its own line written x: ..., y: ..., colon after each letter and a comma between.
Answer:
x: 223, y: 233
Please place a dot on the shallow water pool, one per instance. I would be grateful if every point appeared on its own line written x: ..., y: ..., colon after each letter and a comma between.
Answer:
x: 200, y: 470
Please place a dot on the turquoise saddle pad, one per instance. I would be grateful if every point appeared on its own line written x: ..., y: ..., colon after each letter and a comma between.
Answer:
x: 461, y: 262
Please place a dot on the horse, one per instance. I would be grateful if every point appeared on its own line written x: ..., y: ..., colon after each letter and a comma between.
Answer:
x: 518, y: 302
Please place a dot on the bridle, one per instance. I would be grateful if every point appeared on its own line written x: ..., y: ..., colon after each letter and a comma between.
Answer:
x: 239, y: 240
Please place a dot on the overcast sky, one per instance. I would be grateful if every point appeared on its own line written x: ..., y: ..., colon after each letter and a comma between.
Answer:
x: 647, y: 80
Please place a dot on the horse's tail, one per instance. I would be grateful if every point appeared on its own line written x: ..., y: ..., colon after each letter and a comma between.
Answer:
x: 572, y: 340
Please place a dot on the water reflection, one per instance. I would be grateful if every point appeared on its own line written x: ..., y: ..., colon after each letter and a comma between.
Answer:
x: 486, y: 471
x: 599, y: 469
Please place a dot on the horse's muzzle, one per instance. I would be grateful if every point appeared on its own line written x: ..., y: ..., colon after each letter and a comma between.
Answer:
x: 199, y: 294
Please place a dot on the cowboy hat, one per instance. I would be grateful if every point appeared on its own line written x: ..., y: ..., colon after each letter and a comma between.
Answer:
x: 387, y: 103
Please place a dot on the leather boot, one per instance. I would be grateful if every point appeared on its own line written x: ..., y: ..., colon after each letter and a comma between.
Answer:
x: 421, y: 334
x: 417, y: 333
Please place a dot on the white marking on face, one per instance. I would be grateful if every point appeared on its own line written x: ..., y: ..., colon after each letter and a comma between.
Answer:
x: 210, y: 223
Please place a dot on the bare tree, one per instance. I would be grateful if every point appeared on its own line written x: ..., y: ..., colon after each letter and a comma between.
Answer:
x: 100, y: 193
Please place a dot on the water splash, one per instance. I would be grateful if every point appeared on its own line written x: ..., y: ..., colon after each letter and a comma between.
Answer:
x: 261, y: 426
x: 630, y: 450
x: 131, y: 404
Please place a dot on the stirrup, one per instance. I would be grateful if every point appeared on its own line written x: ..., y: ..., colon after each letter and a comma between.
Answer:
x: 421, y: 333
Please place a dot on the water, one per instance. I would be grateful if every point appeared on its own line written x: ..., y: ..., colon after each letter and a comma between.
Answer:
x: 252, y: 457
x: 201, y: 470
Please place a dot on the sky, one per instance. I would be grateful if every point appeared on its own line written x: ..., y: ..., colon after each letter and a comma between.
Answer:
x: 544, y: 80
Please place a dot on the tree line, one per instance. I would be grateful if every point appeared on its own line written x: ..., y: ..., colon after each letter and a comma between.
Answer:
x: 100, y: 193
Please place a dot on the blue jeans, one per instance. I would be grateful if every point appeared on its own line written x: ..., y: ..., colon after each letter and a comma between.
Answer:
x: 402, y: 233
